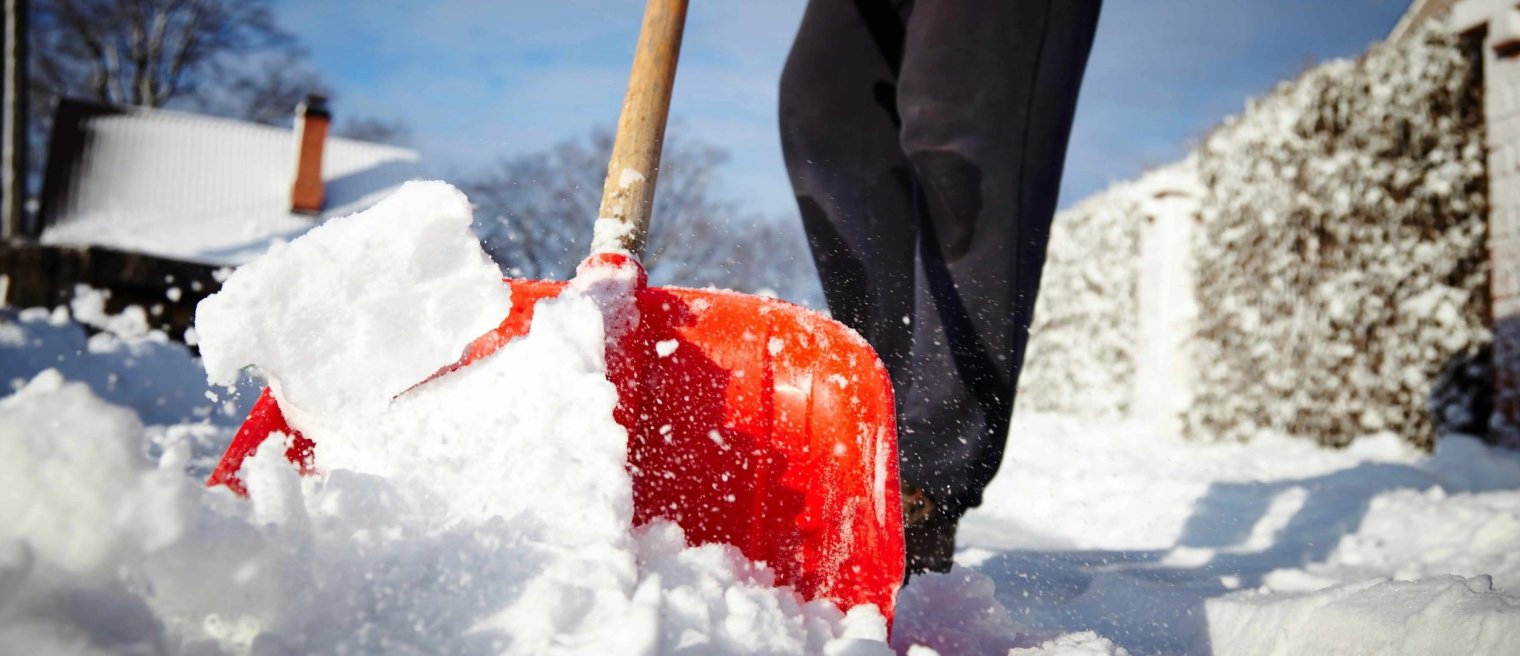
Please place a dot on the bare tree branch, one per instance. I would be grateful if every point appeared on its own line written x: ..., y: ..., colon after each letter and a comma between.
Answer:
x: 149, y: 52
x: 534, y: 215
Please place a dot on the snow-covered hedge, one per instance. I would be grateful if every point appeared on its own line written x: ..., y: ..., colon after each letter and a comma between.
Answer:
x: 1340, y: 264
x: 1081, y: 355
x: 1342, y: 252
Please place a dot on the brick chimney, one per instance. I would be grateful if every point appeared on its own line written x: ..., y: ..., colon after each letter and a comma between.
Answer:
x: 312, y: 120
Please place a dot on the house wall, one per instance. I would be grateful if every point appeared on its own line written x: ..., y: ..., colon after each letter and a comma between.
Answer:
x: 1502, y: 106
x: 1499, y: 24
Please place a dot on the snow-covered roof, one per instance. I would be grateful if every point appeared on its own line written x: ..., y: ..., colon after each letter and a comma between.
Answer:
x: 193, y: 187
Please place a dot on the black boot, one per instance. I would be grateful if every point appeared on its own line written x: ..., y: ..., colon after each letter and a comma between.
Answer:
x: 929, y: 533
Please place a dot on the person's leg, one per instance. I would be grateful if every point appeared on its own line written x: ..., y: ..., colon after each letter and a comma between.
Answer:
x: 986, y: 93
x: 839, y: 135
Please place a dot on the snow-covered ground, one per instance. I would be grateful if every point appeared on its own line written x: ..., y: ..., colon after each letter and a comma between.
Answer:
x: 1169, y: 546
x: 488, y: 511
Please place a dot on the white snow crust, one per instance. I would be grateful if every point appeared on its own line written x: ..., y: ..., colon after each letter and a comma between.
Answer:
x: 1442, y: 615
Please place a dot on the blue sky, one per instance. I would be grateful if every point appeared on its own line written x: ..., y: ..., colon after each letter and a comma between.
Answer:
x: 479, y: 79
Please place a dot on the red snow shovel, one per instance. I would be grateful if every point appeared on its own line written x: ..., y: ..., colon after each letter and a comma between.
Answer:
x: 750, y: 421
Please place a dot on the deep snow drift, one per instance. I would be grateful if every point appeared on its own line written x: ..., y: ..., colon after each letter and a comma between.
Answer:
x: 488, y: 511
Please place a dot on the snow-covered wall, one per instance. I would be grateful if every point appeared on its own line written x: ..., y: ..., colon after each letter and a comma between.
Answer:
x: 1342, y: 250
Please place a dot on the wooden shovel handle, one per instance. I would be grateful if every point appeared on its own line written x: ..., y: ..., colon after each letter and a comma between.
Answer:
x: 628, y: 194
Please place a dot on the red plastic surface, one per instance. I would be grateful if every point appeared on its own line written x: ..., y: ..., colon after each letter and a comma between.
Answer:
x: 769, y: 427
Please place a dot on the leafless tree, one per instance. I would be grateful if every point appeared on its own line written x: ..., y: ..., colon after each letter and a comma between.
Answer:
x: 263, y: 88
x: 146, y: 52
x: 534, y: 214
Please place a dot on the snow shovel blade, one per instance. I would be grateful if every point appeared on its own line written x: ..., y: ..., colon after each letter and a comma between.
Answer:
x: 751, y: 422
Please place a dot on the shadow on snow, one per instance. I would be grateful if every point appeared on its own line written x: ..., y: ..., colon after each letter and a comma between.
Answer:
x: 1152, y: 601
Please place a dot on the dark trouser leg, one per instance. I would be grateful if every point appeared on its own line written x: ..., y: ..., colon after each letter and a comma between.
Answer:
x: 987, y: 93
x: 839, y: 135
x: 925, y: 144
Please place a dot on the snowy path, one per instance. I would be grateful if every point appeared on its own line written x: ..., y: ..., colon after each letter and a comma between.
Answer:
x: 1131, y: 535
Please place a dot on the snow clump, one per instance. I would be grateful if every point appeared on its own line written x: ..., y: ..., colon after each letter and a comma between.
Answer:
x: 360, y: 308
